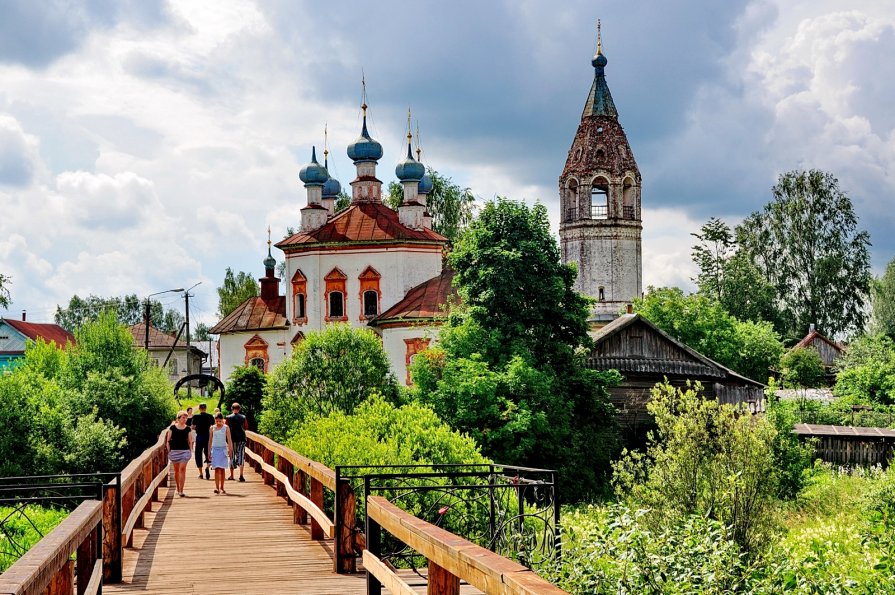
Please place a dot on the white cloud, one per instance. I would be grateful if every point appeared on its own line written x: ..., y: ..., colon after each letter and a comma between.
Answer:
x: 18, y: 153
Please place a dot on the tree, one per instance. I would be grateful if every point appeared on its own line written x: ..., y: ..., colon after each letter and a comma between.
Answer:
x: 883, y: 290
x: 452, y: 207
x: 807, y: 245
x: 235, y: 290
x: 343, y: 201
x: 760, y: 349
x: 200, y: 333
x: 128, y: 310
x: 4, y: 291
x: 802, y: 368
x: 330, y: 370
x: 509, y: 369
x: 867, y: 371
x: 715, y: 248
x: 246, y: 387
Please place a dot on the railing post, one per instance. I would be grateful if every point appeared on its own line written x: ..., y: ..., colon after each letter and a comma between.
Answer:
x: 316, y: 498
x: 112, y: 531
x: 268, y: 459
x: 299, y: 514
x: 62, y: 581
x: 374, y: 544
x: 442, y: 582
x: 84, y: 562
x: 345, y: 515
x: 281, y: 487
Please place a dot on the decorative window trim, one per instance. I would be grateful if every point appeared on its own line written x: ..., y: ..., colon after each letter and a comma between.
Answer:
x: 369, y: 281
x: 335, y: 282
x: 414, y: 346
x: 299, y: 287
x: 255, y: 348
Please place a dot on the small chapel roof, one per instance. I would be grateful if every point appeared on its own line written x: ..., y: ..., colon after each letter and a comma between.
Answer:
x: 362, y: 222
x: 424, y: 303
x: 255, y: 313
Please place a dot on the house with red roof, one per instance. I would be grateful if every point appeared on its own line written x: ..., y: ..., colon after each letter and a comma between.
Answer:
x: 367, y: 265
x: 168, y: 351
x: 15, y: 335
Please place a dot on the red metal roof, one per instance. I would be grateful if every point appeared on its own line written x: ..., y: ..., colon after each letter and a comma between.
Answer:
x: 254, y: 314
x: 810, y: 337
x: 46, y: 331
x: 362, y: 222
x: 425, y: 302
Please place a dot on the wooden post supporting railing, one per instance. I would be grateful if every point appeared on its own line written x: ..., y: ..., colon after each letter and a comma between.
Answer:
x: 48, y: 568
x: 451, y: 558
x: 290, y: 477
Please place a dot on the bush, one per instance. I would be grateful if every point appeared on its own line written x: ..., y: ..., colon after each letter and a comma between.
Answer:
x: 793, y: 459
x: 867, y: 371
x: 331, y: 370
x: 802, y: 368
x: 705, y: 459
x: 94, y: 444
x: 246, y: 387
x: 23, y: 528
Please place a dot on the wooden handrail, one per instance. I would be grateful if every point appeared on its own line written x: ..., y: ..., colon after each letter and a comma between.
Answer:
x: 316, y: 470
x: 142, y: 504
x: 450, y: 557
x: 47, y: 567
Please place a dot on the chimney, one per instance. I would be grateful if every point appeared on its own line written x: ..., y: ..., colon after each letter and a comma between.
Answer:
x: 630, y: 308
x: 24, y: 316
x: 810, y: 327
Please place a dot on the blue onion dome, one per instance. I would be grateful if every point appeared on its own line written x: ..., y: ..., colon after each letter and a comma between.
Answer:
x: 365, y: 148
x: 313, y: 174
x: 426, y: 185
x: 270, y: 262
x: 331, y: 188
x: 599, y: 60
x: 410, y: 170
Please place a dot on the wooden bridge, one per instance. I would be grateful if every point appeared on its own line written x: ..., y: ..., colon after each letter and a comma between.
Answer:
x: 270, y: 535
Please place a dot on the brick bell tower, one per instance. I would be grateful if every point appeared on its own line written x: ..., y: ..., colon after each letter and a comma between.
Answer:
x: 599, y: 192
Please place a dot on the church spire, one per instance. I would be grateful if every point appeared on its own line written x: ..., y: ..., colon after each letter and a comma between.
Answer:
x: 599, y: 100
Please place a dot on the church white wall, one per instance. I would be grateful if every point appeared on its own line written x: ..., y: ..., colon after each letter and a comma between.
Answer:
x: 232, y: 346
x: 400, y: 270
x: 393, y: 341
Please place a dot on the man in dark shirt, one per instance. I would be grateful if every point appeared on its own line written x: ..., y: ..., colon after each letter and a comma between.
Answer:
x: 238, y: 425
x: 202, y: 423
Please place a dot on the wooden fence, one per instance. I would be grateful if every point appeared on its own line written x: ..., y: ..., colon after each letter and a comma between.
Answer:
x: 848, y: 445
x: 451, y: 558
x: 47, y: 568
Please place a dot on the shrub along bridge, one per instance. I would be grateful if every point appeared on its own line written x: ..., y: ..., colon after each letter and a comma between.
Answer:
x: 293, y: 527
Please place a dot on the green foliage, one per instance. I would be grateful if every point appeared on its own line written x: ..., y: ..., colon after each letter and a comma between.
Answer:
x: 751, y: 348
x: 129, y: 310
x: 705, y: 459
x: 802, y: 368
x: 235, y: 290
x: 342, y: 202
x: 452, y: 207
x: 807, y: 245
x: 331, y: 370
x: 508, y: 369
x: 23, y: 528
x: 883, y: 294
x: 793, y: 459
x: 95, y: 444
x: 246, y: 387
x: 5, y: 281
x: 867, y: 371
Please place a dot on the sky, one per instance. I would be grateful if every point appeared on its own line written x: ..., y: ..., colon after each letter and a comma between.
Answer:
x: 147, y: 145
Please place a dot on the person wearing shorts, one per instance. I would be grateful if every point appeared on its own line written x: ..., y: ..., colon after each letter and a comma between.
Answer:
x: 202, y: 422
x: 238, y: 425
x: 221, y: 450
x: 180, y: 439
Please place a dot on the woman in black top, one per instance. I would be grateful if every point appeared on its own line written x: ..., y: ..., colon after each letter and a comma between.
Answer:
x: 180, y: 442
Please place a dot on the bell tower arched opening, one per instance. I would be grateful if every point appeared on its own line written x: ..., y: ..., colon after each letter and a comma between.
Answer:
x: 599, y: 198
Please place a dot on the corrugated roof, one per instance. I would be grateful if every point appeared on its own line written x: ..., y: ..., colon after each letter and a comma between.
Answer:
x: 46, y: 331
x: 254, y: 314
x: 810, y: 337
x: 425, y: 302
x: 854, y: 431
x: 362, y: 222
x: 157, y: 339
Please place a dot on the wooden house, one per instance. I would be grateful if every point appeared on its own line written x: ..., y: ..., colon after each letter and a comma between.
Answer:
x: 828, y: 350
x: 646, y: 355
x: 15, y: 335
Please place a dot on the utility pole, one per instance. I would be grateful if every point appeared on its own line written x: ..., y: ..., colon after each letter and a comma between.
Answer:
x: 189, y: 359
x: 146, y: 315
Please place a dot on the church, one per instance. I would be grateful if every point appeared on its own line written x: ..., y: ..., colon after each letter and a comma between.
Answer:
x: 369, y: 265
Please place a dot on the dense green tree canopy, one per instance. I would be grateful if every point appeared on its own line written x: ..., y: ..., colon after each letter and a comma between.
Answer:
x: 884, y: 302
x: 867, y: 371
x: 806, y: 243
x: 508, y: 369
x: 452, y: 207
x: 246, y: 387
x: 128, y: 310
x: 4, y: 291
x: 802, y: 368
x: 235, y: 290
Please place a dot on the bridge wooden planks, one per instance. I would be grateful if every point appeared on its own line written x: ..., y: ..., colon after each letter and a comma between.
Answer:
x: 242, y: 542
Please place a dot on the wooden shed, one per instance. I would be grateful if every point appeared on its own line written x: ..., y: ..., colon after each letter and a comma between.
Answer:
x: 828, y: 350
x: 646, y: 355
x: 849, y: 445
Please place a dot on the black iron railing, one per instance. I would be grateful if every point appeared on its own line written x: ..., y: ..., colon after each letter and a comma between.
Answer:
x: 599, y: 211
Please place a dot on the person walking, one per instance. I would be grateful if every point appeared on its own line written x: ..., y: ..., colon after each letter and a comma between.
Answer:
x: 189, y: 417
x: 238, y: 425
x: 180, y: 440
x: 202, y: 423
x: 221, y: 450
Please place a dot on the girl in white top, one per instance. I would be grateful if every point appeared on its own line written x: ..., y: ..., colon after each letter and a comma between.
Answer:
x: 221, y: 451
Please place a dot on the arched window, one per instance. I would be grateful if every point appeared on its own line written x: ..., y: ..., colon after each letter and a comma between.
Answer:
x: 256, y: 353
x: 172, y: 367
x: 335, y: 295
x: 599, y: 199
x: 571, y: 213
x: 299, y: 298
x: 257, y: 362
x: 629, y: 208
x: 369, y: 293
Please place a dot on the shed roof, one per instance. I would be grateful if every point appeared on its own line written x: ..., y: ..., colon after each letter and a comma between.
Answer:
x: 424, y: 303
x: 362, y: 222
x: 254, y: 314
x: 157, y: 339
x: 845, y: 431
x: 815, y: 335
x: 49, y: 332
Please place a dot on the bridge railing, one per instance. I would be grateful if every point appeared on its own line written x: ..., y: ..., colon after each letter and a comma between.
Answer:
x: 450, y: 558
x: 48, y: 568
x: 302, y: 481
